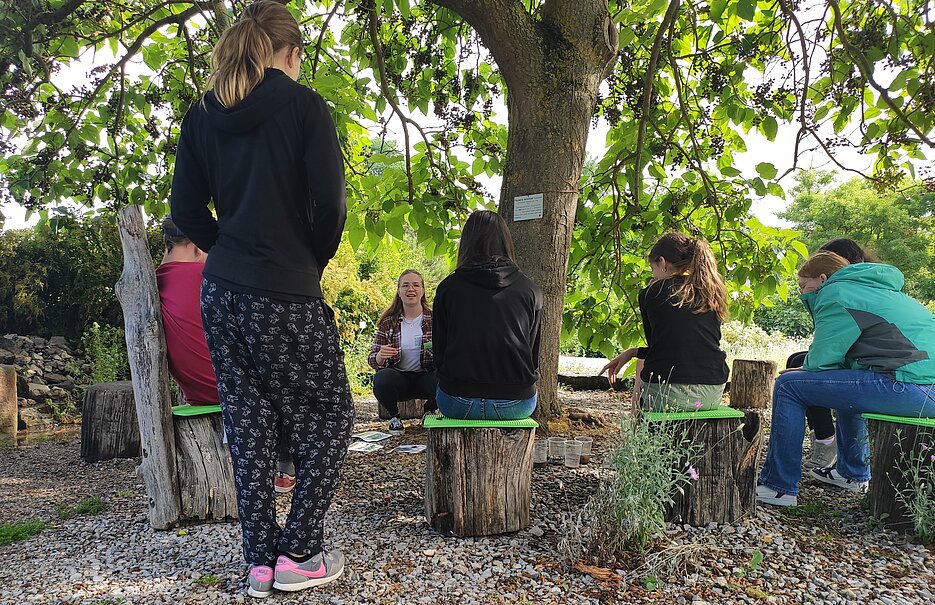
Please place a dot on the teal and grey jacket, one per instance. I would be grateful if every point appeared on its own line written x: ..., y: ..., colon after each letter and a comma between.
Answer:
x: 864, y: 322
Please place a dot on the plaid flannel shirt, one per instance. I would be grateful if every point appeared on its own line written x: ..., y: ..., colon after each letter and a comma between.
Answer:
x: 389, y: 332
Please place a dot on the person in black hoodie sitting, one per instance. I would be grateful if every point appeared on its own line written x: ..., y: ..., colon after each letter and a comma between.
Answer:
x: 486, y: 328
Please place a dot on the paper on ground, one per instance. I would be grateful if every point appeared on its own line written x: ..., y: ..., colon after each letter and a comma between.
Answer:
x: 410, y: 449
x: 363, y: 446
x: 372, y: 436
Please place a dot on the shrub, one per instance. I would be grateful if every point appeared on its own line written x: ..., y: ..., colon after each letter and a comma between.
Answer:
x: 106, y: 351
x: 789, y: 317
x: 918, y: 464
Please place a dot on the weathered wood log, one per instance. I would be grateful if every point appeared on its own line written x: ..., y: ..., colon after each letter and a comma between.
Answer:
x: 478, y: 481
x: 752, y: 384
x: 146, y: 347
x: 594, y: 383
x: 205, y: 475
x: 585, y: 417
x: 725, y: 490
x: 9, y: 412
x: 409, y: 409
x: 897, y: 448
x: 109, y: 427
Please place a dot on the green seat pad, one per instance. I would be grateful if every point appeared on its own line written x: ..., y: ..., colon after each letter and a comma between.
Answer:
x: 722, y: 411
x: 441, y: 422
x: 929, y: 422
x: 195, y: 410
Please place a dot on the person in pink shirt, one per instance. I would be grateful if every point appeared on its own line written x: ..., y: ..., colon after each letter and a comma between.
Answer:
x: 178, y: 278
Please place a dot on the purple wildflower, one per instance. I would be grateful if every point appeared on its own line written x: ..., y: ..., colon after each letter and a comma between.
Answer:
x: 698, y: 405
x: 692, y: 473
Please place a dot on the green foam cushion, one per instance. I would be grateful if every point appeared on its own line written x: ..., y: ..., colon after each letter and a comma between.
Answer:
x: 722, y: 411
x: 441, y: 422
x: 930, y: 422
x: 195, y: 410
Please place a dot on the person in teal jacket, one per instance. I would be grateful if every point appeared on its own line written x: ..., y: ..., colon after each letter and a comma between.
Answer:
x: 873, y: 351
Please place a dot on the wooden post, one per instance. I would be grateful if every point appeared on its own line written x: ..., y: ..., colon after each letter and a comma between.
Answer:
x: 725, y: 490
x: 109, y: 428
x: 896, y: 447
x: 9, y: 412
x: 206, y: 478
x: 146, y: 348
x: 409, y: 409
x: 478, y: 481
x: 751, y: 384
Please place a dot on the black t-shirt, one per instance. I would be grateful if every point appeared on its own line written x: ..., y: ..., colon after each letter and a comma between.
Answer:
x: 683, y: 347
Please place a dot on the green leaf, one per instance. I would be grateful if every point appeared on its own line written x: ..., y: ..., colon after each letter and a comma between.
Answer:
x: 766, y: 170
x: 746, y: 9
x: 770, y: 128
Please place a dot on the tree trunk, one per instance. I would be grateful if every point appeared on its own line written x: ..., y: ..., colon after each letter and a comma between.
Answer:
x: 9, y: 411
x: 206, y: 477
x: 146, y: 349
x: 478, y: 481
x: 751, y: 384
x: 897, y: 453
x: 409, y: 409
x: 594, y: 383
x: 725, y: 490
x: 109, y: 428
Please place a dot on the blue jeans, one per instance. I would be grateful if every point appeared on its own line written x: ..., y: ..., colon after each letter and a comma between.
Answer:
x: 851, y: 393
x: 476, y: 408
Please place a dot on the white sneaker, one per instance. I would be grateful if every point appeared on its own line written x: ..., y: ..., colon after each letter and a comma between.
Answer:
x: 768, y: 495
x: 832, y: 477
x: 823, y: 455
x: 396, y: 426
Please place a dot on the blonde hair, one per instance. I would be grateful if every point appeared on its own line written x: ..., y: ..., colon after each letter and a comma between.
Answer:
x: 246, y: 49
x: 822, y: 262
x: 396, y: 307
x: 703, y: 289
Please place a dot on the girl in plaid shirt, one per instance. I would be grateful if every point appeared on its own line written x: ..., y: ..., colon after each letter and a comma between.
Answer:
x: 402, y: 350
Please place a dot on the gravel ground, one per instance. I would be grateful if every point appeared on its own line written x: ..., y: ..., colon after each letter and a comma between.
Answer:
x: 835, y: 554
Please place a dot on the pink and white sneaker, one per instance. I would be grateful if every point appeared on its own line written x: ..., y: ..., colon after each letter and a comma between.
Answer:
x: 324, y: 567
x: 260, y: 581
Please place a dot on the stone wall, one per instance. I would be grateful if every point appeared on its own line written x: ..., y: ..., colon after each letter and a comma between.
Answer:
x: 47, y: 373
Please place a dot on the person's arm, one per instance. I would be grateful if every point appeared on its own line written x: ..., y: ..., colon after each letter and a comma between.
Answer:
x: 190, y: 192
x: 427, y: 354
x: 439, y: 327
x: 324, y: 165
x: 835, y: 333
x: 380, y: 339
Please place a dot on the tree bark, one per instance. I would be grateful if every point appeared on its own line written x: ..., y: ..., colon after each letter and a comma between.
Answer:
x: 109, y: 427
x: 409, y: 409
x: 478, y: 481
x: 751, y: 384
x: 146, y: 349
x: 725, y: 490
x: 206, y: 477
x: 898, y: 448
x: 9, y: 411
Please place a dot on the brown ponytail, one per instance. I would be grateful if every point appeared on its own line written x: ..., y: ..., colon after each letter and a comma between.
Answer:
x: 703, y: 288
x: 246, y: 49
x: 822, y: 262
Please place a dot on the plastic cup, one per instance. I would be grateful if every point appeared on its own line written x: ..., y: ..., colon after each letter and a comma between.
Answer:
x: 556, y: 447
x: 572, y: 453
x: 585, y: 448
x: 540, y: 452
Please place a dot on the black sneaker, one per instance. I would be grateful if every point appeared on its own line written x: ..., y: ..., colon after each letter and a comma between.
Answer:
x: 396, y: 426
x: 832, y: 477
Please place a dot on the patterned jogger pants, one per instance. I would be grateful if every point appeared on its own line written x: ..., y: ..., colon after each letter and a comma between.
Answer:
x: 279, y: 364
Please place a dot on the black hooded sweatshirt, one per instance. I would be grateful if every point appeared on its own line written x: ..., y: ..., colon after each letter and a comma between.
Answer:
x: 272, y: 166
x: 485, y: 332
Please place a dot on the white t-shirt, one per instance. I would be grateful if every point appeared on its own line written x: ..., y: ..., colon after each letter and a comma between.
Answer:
x: 410, y: 345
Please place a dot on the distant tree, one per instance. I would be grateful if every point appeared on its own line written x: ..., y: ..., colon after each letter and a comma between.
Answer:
x: 898, y: 227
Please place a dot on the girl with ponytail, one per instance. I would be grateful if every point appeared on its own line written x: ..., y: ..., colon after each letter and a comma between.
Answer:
x: 263, y: 150
x: 682, y: 366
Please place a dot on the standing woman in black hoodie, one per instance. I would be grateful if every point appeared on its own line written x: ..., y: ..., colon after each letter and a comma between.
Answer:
x: 486, y: 328
x: 263, y: 149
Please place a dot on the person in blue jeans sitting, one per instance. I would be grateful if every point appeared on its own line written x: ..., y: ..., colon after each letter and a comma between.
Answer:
x: 486, y: 328
x: 873, y: 351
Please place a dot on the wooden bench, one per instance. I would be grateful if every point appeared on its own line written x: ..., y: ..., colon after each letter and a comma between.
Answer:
x: 478, y: 475
x: 729, y: 441
x: 898, y: 443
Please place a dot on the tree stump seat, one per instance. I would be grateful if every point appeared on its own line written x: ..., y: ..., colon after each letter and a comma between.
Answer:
x: 901, y: 447
x: 478, y: 475
x: 409, y: 409
x: 109, y: 427
x: 751, y: 383
x: 203, y: 464
x: 725, y: 489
